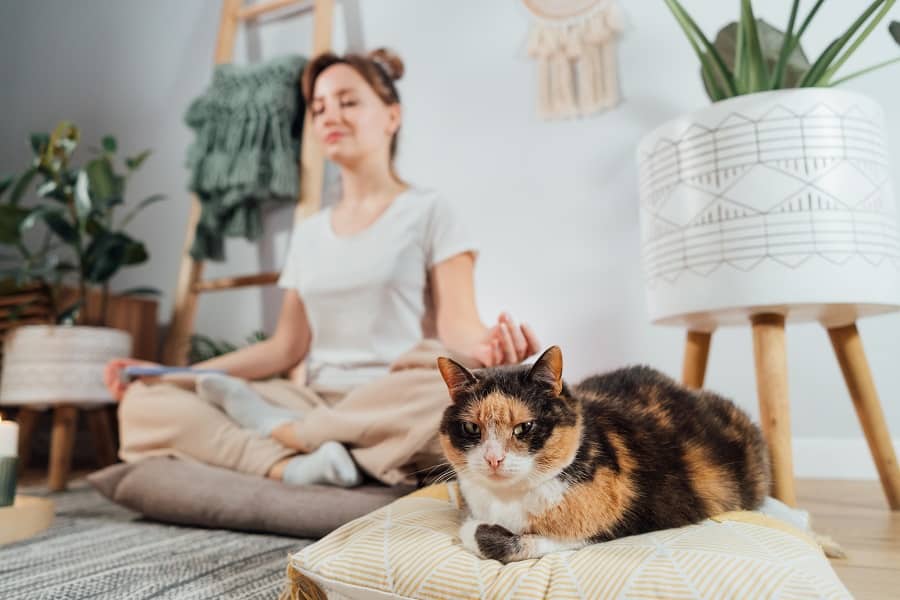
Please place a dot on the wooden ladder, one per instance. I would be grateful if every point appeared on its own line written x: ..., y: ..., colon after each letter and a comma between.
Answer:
x: 312, y: 168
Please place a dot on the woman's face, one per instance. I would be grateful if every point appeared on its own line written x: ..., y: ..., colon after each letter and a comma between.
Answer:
x: 350, y: 120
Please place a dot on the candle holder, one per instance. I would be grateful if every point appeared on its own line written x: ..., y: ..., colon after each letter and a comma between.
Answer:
x: 9, y: 466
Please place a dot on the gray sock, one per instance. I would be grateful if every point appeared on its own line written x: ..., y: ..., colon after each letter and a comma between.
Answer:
x: 242, y: 404
x: 331, y: 464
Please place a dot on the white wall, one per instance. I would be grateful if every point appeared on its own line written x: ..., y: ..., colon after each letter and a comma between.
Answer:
x: 555, y: 204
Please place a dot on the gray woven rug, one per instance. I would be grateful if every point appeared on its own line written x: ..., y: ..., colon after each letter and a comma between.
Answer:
x: 96, y: 549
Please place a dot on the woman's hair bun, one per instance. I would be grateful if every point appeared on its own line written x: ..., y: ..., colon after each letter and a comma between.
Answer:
x: 388, y: 61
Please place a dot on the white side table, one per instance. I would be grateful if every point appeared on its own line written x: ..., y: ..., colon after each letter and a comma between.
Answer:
x: 770, y: 208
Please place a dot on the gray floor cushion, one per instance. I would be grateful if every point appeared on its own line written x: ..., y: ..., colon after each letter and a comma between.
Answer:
x: 187, y: 493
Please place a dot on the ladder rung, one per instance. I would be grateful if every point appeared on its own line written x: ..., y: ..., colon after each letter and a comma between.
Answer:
x: 255, y: 10
x: 230, y: 283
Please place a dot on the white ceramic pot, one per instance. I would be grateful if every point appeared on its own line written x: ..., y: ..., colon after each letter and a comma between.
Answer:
x: 772, y: 202
x: 46, y: 364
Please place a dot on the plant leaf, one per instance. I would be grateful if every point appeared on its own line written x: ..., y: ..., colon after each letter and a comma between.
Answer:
x: 61, y: 227
x: 105, y: 186
x: 22, y: 185
x: 82, y: 198
x: 864, y: 71
x: 140, y: 291
x: 135, y: 161
x: 757, y: 76
x: 39, y: 142
x: 894, y: 29
x: 786, y: 48
x: 821, y: 65
x: 70, y: 313
x: 32, y: 218
x: 11, y: 218
x: 859, y: 40
x: 109, y: 144
x: 137, y: 209
x: 135, y: 253
x: 714, y: 65
x: 5, y: 183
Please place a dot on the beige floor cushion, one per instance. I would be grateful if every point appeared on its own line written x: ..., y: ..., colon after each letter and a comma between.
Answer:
x: 410, y: 549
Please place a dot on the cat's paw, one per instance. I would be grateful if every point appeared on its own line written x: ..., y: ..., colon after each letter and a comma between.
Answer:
x: 497, y: 542
x: 467, y: 536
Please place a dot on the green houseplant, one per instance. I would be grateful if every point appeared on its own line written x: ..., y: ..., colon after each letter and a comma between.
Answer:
x: 61, y: 232
x: 751, y: 55
x: 83, y: 243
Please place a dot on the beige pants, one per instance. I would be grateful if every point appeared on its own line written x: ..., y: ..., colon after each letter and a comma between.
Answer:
x: 389, y: 425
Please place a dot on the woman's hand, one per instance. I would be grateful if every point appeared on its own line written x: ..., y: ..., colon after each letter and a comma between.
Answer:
x: 112, y: 375
x: 506, y: 343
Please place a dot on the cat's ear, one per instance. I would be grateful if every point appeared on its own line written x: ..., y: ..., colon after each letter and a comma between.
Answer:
x: 456, y: 376
x: 548, y: 369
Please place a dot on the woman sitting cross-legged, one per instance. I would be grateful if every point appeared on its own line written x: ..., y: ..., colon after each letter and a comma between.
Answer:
x: 367, y: 286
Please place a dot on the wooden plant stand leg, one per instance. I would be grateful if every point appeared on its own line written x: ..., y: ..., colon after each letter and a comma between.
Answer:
x: 849, y: 351
x: 28, y: 419
x: 65, y: 422
x: 696, y: 353
x: 770, y: 357
x: 101, y: 432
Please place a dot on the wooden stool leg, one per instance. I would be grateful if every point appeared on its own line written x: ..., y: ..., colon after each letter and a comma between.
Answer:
x: 696, y: 353
x: 65, y: 421
x: 28, y: 420
x: 770, y: 358
x: 849, y: 350
x: 102, y: 434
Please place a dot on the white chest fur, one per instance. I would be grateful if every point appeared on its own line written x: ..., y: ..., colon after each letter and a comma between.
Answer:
x: 510, y: 508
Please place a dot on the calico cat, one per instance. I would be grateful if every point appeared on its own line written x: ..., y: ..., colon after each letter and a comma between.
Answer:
x: 543, y: 467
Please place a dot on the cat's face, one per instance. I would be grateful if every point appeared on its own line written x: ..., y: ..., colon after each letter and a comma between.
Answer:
x: 512, y: 426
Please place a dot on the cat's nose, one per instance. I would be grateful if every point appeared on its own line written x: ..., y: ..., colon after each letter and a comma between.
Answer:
x: 493, y: 460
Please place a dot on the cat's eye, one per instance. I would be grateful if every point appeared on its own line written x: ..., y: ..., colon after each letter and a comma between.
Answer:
x: 470, y: 428
x: 522, y: 429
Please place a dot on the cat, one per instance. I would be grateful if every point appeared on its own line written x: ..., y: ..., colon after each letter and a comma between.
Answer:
x: 543, y: 467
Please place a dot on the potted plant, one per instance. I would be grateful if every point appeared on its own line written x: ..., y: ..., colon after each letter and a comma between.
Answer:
x: 779, y: 192
x: 64, y: 240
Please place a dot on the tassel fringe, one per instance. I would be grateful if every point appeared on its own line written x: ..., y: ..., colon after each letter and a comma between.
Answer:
x: 576, y: 62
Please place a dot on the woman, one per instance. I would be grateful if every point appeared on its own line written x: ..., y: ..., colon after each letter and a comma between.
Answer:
x: 367, y: 283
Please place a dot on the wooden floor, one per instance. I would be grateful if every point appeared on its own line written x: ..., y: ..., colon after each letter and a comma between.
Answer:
x: 854, y: 513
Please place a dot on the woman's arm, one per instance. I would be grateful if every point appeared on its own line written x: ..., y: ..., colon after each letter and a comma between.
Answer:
x: 460, y: 328
x: 287, y: 346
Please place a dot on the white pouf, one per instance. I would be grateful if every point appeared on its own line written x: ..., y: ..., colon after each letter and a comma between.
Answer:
x: 45, y: 364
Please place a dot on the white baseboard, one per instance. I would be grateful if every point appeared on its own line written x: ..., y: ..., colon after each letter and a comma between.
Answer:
x: 834, y: 458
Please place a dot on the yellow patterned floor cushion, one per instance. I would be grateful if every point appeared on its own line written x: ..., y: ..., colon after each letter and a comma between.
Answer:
x: 410, y: 549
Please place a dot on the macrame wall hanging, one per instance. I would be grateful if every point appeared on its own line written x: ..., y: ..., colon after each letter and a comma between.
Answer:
x: 574, y: 45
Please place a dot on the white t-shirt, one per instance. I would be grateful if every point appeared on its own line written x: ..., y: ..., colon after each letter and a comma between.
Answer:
x: 366, y: 294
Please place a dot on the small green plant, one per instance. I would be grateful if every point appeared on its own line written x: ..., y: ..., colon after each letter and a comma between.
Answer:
x: 80, y: 245
x: 752, y: 56
x: 204, y: 347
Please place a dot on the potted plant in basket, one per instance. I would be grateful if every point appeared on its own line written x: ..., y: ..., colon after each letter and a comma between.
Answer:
x: 778, y: 194
x: 63, y: 240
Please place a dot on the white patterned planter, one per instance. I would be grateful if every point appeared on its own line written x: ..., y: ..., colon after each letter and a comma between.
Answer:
x: 46, y: 364
x: 772, y: 202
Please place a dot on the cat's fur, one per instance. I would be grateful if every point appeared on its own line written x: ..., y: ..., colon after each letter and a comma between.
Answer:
x: 619, y: 454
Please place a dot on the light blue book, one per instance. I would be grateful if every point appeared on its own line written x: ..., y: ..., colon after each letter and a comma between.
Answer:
x: 132, y: 371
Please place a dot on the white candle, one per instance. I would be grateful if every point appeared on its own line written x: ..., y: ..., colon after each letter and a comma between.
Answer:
x: 9, y: 438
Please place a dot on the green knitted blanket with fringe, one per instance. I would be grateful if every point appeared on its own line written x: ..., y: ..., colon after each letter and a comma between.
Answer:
x: 246, y: 150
